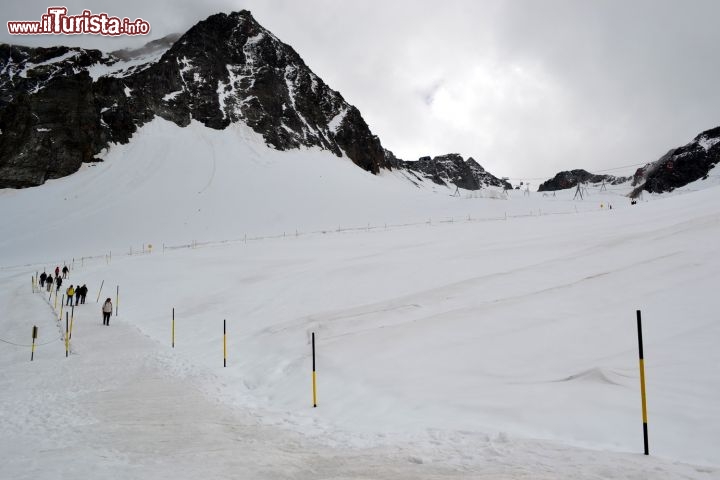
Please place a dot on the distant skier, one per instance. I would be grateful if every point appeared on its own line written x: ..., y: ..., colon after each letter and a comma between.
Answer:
x: 69, y: 293
x: 107, y: 311
x: 43, y: 276
x: 58, y: 282
x: 49, y: 282
x: 57, y: 271
x: 78, y: 294
x: 84, y: 294
x: 65, y: 271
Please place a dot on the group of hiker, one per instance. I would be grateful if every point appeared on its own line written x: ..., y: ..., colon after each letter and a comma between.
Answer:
x: 79, y: 293
x: 72, y: 293
x: 47, y: 281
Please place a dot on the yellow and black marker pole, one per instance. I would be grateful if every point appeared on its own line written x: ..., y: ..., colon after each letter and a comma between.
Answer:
x: 224, y: 344
x: 34, y: 336
x: 100, y: 291
x: 67, y: 334
x: 62, y: 305
x: 314, y: 377
x: 642, y: 384
x: 72, y: 319
x: 173, y: 328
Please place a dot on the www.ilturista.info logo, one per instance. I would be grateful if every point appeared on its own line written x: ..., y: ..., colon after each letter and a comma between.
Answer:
x: 57, y: 21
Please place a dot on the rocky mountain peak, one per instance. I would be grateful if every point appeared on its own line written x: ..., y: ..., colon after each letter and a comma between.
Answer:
x: 62, y: 106
x: 447, y: 170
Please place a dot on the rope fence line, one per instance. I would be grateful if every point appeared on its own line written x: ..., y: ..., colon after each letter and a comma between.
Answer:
x: 58, y: 323
x: 366, y: 228
x: 24, y: 345
x: 29, y: 344
x: 297, y: 233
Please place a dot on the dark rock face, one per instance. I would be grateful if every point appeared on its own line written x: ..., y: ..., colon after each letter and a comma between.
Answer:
x: 680, y: 166
x: 569, y: 179
x: 61, y: 106
x: 450, y: 169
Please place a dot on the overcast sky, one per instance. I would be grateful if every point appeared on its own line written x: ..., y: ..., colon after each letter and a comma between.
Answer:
x: 527, y: 88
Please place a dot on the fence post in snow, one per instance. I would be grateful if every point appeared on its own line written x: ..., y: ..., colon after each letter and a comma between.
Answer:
x: 72, y: 319
x: 34, y: 336
x: 99, y: 291
x: 117, y: 300
x: 173, y: 327
x: 67, y: 333
x: 224, y: 343
x: 642, y: 383
x: 314, y: 377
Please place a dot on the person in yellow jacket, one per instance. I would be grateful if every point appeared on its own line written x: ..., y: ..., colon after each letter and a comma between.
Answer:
x: 70, y: 293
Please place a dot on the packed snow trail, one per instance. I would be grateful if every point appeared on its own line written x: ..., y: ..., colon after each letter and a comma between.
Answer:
x: 115, y: 409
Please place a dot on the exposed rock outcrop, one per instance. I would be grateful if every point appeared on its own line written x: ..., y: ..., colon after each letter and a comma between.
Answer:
x: 570, y: 179
x: 680, y: 166
x: 450, y: 169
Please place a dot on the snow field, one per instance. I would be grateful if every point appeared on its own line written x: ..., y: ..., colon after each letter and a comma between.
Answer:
x: 494, y: 349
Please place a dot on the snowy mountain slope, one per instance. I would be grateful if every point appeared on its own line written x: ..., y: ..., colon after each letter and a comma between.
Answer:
x: 473, y: 349
x: 176, y: 185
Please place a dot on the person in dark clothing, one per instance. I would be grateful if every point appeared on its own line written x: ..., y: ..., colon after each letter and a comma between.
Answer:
x: 49, y: 282
x: 65, y: 271
x: 78, y: 294
x: 58, y: 283
x: 57, y: 271
x: 43, y: 276
x: 107, y: 311
x: 83, y: 293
